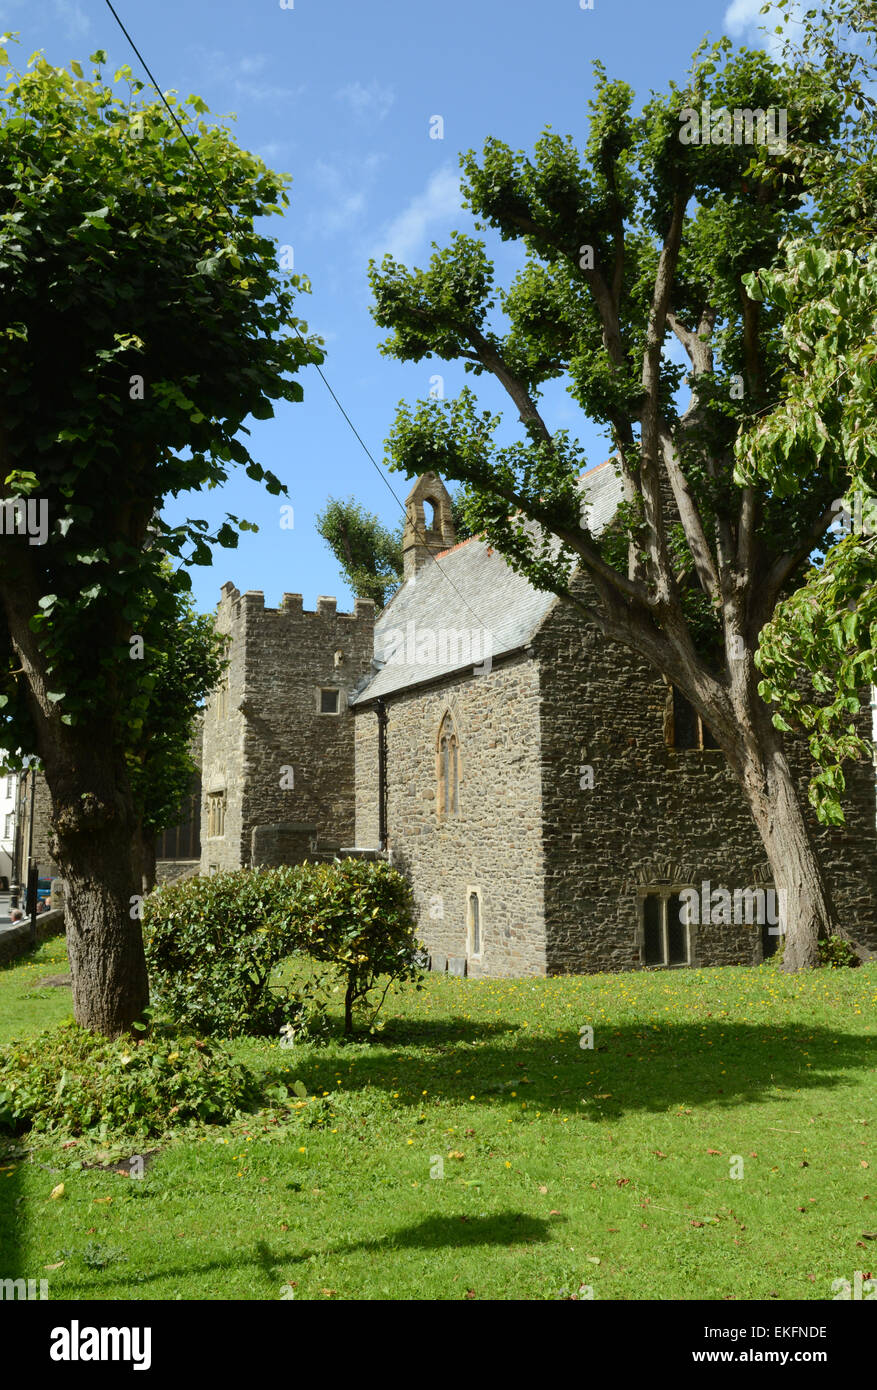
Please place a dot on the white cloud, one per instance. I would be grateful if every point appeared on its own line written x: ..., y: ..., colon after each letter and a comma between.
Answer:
x: 244, y: 75
x: 744, y: 20
x: 366, y: 102
x: 346, y: 186
x: 71, y: 14
x: 409, y: 232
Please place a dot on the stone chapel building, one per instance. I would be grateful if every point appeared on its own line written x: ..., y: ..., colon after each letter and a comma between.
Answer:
x: 548, y: 794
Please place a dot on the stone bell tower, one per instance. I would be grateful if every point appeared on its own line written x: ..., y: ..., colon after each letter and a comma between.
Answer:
x: 425, y: 535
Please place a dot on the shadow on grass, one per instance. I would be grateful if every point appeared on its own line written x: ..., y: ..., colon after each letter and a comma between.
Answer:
x: 632, y: 1068
x: 12, y: 1215
x: 433, y: 1233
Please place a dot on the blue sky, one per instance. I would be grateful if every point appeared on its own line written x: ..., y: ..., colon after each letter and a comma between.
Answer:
x: 340, y: 94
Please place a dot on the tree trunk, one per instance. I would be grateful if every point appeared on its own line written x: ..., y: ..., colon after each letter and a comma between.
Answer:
x: 773, y: 799
x: 104, y: 942
x: 95, y: 839
x: 147, y: 861
x: 97, y: 847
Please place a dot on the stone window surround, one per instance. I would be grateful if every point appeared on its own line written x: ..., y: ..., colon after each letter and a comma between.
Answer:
x: 670, y: 726
x: 663, y: 890
x: 342, y: 701
x: 447, y: 716
x: 472, y: 891
x: 216, y: 815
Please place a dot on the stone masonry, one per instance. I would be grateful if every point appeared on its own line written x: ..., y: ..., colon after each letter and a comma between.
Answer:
x: 282, y: 769
x: 495, y: 844
x: 658, y: 815
x: 539, y: 794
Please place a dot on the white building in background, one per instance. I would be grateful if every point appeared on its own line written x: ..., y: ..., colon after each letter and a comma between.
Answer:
x: 8, y: 798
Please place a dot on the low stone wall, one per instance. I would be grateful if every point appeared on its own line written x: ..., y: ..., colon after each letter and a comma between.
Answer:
x: 16, y: 941
x: 169, y: 870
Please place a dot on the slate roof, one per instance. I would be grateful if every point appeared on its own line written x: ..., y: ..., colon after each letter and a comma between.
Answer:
x: 467, y: 605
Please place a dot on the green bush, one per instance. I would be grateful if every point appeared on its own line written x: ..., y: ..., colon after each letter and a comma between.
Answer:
x: 357, y: 916
x: 836, y: 950
x: 213, y: 943
x: 833, y: 951
x: 211, y: 947
x: 76, y: 1082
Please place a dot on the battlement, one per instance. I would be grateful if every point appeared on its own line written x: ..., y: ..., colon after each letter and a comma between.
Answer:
x: 292, y: 605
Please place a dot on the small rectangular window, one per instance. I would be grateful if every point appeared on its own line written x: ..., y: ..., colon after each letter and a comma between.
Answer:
x: 329, y: 701
x: 665, y: 934
x: 474, y: 922
x: 709, y: 740
x: 215, y: 815
x: 677, y: 933
x: 654, y: 948
x: 688, y: 729
x: 685, y: 722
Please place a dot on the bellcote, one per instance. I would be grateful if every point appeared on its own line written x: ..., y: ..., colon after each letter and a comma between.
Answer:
x: 429, y: 527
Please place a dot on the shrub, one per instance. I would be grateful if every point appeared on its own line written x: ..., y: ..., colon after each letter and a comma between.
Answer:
x: 357, y: 916
x: 211, y: 946
x: 74, y: 1081
x: 212, y: 943
x: 833, y: 951
x: 836, y: 950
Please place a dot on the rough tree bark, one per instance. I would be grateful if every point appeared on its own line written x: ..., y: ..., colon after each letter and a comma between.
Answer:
x: 764, y: 774
x: 95, y: 843
x: 95, y: 839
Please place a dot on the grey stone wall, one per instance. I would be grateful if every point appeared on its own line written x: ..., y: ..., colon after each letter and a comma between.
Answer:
x: 16, y: 941
x: 266, y: 743
x: 494, y: 843
x: 170, y: 870
x: 656, y: 816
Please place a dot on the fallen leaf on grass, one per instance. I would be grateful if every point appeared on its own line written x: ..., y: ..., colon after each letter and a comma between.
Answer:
x: 57, y: 1266
x: 864, y: 1163
x: 102, y: 1201
x: 57, y: 1192
x: 622, y: 1182
x: 455, y: 1153
x: 470, y: 1293
x: 658, y: 1154
x: 717, y: 1152
x: 543, y: 1190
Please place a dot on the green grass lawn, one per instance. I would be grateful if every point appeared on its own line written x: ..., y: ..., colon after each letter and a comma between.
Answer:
x: 562, y: 1166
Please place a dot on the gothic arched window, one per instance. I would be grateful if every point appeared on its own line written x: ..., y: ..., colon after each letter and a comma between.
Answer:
x: 448, y: 768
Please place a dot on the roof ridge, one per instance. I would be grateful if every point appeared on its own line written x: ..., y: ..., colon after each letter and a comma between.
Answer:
x: 458, y: 546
